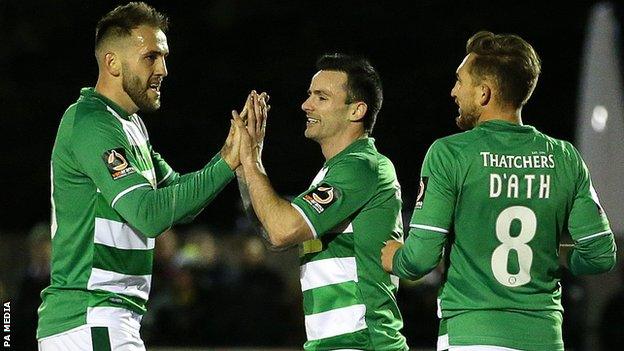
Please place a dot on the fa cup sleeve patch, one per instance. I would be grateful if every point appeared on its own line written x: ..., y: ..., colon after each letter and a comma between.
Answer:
x: 321, y: 197
x: 422, y: 189
x: 117, y: 163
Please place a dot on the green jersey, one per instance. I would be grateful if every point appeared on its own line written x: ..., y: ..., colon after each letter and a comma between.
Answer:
x: 111, y: 195
x: 352, y: 207
x: 501, y: 196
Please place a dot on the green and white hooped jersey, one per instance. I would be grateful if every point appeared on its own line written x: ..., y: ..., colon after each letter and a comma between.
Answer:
x: 352, y: 207
x: 101, y: 266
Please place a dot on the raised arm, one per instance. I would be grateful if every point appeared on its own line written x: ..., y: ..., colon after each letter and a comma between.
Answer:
x: 108, y: 160
x: 274, y: 217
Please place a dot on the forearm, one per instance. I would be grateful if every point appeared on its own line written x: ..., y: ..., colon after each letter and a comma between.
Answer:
x: 420, y: 254
x: 153, y: 211
x: 247, y: 206
x: 281, y: 221
x: 593, y: 256
x: 183, y: 178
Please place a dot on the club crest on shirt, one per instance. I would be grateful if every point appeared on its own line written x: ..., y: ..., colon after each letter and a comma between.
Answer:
x: 117, y: 163
x: 321, y: 197
x: 422, y: 189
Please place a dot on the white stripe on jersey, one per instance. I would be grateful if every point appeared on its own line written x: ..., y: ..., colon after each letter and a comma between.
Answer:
x: 335, y: 322
x: 428, y: 227
x: 53, y: 223
x: 127, y: 191
x: 115, y: 317
x: 131, y: 285
x: 120, y: 235
x: 166, y: 176
x: 443, y: 342
x: 306, y: 219
x: 595, y: 235
x: 327, y: 272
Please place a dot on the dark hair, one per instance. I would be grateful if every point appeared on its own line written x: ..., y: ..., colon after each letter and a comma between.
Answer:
x: 363, y: 83
x: 121, y: 20
x: 509, y: 60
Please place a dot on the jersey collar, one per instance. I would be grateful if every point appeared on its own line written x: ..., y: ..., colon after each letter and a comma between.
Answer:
x: 355, y: 145
x: 498, y: 125
x: 90, y: 93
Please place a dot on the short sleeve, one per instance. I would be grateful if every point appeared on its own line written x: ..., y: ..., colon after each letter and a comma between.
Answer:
x: 346, y: 187
x: 103, y: 153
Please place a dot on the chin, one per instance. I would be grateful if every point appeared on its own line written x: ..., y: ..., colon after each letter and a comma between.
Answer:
x: 310, y: 135
x: 152, y: 106
x: 464, y: 123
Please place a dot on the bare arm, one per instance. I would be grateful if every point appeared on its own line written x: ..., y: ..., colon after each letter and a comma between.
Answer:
x: 280, y: 222
x: 283, y: 223
x: 257, y: 137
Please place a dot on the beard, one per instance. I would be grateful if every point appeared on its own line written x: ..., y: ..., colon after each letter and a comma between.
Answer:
x: 468, y: 119
x: 138, y: 92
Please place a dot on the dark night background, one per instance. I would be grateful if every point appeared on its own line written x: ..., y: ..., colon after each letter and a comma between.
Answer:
x: 221, y: 49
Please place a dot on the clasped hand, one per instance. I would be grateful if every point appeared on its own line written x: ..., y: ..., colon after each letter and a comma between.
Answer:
x: 245, y: 139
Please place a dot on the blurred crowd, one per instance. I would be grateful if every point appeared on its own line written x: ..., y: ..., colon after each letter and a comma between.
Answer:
x: 212, y: 288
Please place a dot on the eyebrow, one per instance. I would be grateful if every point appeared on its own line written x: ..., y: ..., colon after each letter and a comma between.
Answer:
x: 319, y: 92
x: 156, y: 52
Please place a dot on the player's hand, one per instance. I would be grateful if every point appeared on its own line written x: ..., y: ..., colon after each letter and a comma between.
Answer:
x: 387, y: 254
x: 255, y: 114
x: 230, y: 152
x: 248, y: 157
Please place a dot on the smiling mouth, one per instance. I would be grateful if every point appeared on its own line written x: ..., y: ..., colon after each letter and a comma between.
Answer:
x: 155, y: 87
x: 311, y: 121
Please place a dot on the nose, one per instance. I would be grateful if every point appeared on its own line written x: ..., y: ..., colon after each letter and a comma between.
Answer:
x: 307, y: 105
x: 454, y: 91
x: 161, y: 67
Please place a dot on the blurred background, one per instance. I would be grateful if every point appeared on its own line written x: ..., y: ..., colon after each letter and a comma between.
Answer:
x: 215, y: 284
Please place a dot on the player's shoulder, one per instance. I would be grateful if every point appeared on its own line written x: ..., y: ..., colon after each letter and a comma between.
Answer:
x: 362, y: 154
x: 361, y: 164
x: 358, y: 161
x: 87, y: 120
x: 559, y: 147
x: 88, y: 113
x: 454, y: 145
x: 459, y: 141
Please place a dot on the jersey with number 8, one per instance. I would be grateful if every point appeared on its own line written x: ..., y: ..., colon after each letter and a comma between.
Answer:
x: 502, y: 195
x: 500, y: 257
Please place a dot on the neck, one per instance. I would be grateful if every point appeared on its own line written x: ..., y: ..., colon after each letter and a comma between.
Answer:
x: 116, y: 94
x: 332, y: 147
x: 509, y: 115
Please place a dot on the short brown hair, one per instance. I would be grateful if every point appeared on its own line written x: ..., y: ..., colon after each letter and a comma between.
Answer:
x: 123, y: 19
x: 509, y: 60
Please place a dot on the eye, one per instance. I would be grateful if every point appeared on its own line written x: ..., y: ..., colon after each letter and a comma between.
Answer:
x: 322, y: 98
x: 151, y: 57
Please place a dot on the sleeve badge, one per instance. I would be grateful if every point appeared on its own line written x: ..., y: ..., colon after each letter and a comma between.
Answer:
x: 117, y: 163
x: 321, y: 197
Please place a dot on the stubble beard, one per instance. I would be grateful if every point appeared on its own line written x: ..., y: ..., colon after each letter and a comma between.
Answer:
x: 308, y: 133
x: 138, y: 92
x: 467, y: 119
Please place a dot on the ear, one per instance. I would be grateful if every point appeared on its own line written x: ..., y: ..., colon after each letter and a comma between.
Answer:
x: 112, y: 63
x: 485, y: 94
x: 358, y: 111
